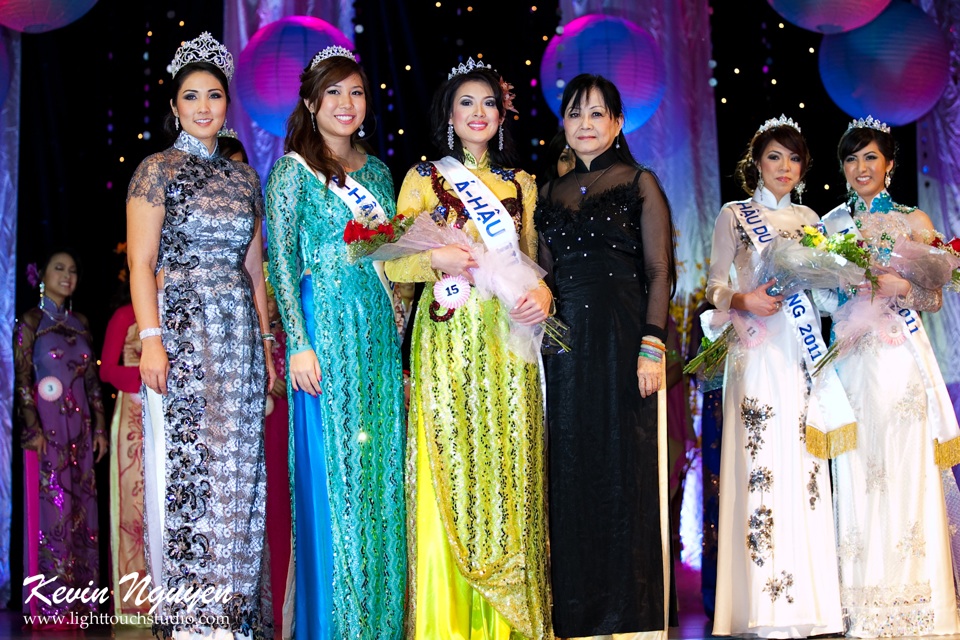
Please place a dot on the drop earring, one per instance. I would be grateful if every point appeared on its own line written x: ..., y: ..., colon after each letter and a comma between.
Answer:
x: 760, y: 183
x: 42, y: 287
x: 887, y: 180
x: 800, y: 188
x: 176, y: 122
x: 500, y: 143
x: 450, y: 136
x: 361, y: 132
x: 618, y: 141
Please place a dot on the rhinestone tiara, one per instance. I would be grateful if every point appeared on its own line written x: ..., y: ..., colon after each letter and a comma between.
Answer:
x: 869, y: 123
x: 203, y: 48
x: 782, y: 121
x: 332, y: 52
x: 467, y: 67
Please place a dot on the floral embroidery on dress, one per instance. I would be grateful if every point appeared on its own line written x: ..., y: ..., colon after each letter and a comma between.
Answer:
x: 777, y: 587
x: 912, y: 406
x: 851, y: 546
x: 760, y: 537
x: 754, y: 416
x: 897, y: 611
x: 876, y: 476
x: 813, y: 489
x: 761, y: 479
x: 913, y: 542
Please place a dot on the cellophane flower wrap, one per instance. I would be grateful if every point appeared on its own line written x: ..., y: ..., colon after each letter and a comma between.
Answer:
x: 496, y: 275
x: 814, y: 262
x: 931, y: 266
x: 853, y: 320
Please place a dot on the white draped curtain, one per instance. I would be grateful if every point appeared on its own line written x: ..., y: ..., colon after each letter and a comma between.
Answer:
x: 9, y: 156
x: 938, y: 177
x: 241, y: 19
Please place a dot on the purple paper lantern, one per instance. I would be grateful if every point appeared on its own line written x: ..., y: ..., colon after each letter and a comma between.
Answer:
x: 829, y: 16
x: 895, y: 68
x: 614, y: 48
x: 38, y: 16
x: 268, y: 71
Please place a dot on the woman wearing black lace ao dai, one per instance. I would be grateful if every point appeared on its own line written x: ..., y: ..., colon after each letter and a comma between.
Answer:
x: 608, y: 245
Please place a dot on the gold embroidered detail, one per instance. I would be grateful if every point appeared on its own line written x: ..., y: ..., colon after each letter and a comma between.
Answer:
x: 830, y: 445
x: 946, y: 454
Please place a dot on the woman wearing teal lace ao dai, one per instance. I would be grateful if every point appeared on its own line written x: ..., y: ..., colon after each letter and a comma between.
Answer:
x: 345, y: 375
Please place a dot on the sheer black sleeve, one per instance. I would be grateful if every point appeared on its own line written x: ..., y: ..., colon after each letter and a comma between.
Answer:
x: 656, y: 229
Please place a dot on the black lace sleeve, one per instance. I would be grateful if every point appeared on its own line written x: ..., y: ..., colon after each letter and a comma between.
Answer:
x: 656, y: 228
x: 148, y: 181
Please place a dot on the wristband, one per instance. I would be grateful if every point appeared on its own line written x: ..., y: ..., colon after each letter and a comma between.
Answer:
x: 151, y: 332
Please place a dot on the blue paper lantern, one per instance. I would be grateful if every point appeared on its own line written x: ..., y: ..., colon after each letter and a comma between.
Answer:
x: 614, y: 48
x: 895, y: 68
x: 268, y: 71
x: 829, y: 16
x: 38, y: 16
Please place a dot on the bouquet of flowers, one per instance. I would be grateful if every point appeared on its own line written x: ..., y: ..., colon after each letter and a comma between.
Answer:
x: 854, y: 320
x: 363, y: 238
x: 930, y: 266
x: 497, y: 275
x: 708, y: 364
x: 815, y: 262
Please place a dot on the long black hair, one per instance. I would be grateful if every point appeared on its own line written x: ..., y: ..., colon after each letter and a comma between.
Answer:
x: 577, y: 91
x: 441, y: 111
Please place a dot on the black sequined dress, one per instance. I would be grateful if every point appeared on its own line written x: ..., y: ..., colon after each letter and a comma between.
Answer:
x: 608, y: 253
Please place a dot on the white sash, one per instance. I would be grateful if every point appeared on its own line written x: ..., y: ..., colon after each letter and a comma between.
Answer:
x: 362, y: 204
x: 485, y: 209
x: 941, y: 415
x: 838, y: 432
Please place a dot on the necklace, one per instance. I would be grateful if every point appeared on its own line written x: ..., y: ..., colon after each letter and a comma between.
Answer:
x: 583, y: 189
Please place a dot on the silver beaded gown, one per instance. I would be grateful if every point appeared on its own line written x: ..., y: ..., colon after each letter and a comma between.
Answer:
x: 203, y: 441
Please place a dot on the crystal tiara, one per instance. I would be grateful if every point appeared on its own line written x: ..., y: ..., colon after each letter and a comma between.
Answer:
x: 331, y: 52
x: 782, y: 121
x: 869, y: 123
x: 203, y: 48
x: 467, y: 67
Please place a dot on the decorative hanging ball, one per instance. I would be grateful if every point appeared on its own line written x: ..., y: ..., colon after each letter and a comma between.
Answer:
x: 39, y: 16
x: 268, y: 72
x: 894, y: 68
x: 614, y: 48
x: 829, y: 16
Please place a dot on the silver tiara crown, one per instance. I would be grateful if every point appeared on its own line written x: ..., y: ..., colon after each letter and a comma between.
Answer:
x: 869, y: 123
x: 467, y: 67
x: 782, y: 121
x: 332, y: 52
x: 203, y: 48
x: 228, y: 133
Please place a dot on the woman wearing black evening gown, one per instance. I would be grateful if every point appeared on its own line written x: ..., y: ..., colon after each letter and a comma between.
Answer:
x: 608, y: 237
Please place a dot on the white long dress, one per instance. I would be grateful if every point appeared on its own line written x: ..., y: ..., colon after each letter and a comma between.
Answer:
x: 776, y: 560
x: 895, y: 559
